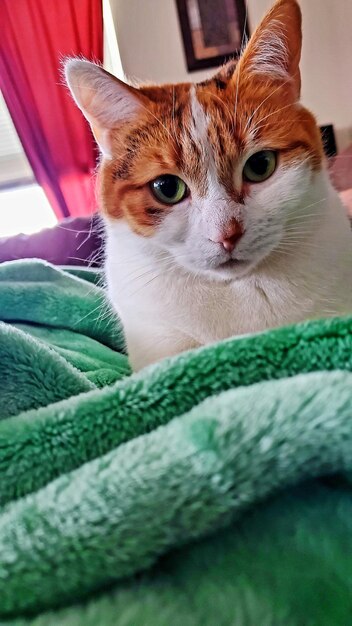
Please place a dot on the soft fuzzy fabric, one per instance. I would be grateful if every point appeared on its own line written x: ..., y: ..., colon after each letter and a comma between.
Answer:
x: 103, y: 473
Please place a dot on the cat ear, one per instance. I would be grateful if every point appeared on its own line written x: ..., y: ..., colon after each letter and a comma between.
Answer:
x: 104, y: 99
x: 274, y: 50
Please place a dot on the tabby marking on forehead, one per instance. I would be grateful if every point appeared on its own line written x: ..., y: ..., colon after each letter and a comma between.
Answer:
x: 199, y: 120
x: 200, y: 124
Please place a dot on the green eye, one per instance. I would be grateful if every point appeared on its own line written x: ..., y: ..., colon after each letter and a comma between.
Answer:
x: 260, y: 166
x: 169, y: 189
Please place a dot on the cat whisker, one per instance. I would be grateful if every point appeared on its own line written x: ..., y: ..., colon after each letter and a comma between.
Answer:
x: 88, y: 262
x: 296, y: 233
x: 297, y: 226
x: 260, y: 125
x: 158, y: 275
x: 254, y: 129
x: 72, y: 230
x: 302, y: 215
x: 97, y: 308
x: 173, y: 140
x: 213, y: 95
x: 171, y: 265
x: 307, y: 206
x: 132, y: 277
x: 173, y: 123
x: 87, y: 237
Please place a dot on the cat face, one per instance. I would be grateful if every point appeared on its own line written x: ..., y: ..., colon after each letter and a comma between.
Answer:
x: 211, y: 173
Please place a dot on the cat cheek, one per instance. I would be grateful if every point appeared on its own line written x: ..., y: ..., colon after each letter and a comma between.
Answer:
x: 141, y: 218
x: 154, y: 212
x: 145, y: 220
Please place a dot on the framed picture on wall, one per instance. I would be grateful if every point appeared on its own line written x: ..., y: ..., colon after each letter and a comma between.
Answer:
x: 212, y: 30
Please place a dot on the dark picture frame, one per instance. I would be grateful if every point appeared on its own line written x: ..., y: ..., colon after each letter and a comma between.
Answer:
x: 213, y: 31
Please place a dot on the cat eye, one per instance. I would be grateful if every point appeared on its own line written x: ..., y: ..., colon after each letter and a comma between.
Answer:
x: 169, y: 189
x: 260, y: 166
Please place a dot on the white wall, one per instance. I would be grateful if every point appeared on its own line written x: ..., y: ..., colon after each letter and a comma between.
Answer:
x: 149, y: 40
x: 111, y: 54
x: 150, y: 45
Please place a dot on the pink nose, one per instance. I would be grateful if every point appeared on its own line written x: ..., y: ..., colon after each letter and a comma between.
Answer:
x: 230, y: 237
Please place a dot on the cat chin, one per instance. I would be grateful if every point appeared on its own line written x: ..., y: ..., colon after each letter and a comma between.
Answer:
x: 231, y: 270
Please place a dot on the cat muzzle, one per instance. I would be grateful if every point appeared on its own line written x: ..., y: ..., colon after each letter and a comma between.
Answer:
x: 230, y: 236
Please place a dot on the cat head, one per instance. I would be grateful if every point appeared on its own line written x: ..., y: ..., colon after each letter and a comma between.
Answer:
x: 209, y: 172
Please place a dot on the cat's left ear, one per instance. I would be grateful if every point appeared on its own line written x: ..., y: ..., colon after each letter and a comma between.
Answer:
x: 103, y: 99
x: 274, y: 50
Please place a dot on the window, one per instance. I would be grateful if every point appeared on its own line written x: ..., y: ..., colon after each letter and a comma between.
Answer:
x: 24, y: 207
x: 14, y: 167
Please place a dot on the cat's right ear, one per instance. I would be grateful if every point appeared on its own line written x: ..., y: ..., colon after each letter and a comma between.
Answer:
x: 274, y: 50
x: 104, y: 99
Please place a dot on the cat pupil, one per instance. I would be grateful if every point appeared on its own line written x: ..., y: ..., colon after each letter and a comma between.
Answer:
x: 168, y: 185
x: 259, y: 163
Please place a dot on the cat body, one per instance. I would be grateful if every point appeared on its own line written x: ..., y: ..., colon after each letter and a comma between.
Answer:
x: 220, y: 216
x: 166, y: 309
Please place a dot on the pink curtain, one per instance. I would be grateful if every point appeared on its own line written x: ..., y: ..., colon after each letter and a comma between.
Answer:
x: 35, y: 36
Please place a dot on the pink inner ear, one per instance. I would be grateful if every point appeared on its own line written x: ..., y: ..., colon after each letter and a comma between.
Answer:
x: 103, y: 98
x: 274, y: 49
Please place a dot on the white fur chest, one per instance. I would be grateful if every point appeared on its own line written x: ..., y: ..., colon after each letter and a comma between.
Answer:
x: 166, y: 310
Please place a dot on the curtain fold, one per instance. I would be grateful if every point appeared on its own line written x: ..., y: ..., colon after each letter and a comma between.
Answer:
x: 35, y: 36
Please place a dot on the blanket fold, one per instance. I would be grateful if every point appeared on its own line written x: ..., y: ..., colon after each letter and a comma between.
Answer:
x: 102, y: 472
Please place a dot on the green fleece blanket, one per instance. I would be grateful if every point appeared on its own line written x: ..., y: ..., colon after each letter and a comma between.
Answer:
x: 210, y: 489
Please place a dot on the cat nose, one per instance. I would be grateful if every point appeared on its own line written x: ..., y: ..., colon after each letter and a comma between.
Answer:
x: 229, y: 243
x: 229, y: 238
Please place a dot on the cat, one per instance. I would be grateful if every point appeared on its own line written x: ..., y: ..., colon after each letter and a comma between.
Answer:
x: 220, y: 216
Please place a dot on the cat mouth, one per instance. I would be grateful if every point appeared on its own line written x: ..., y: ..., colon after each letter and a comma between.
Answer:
x: 231, y: 269
x: 232, y: 264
